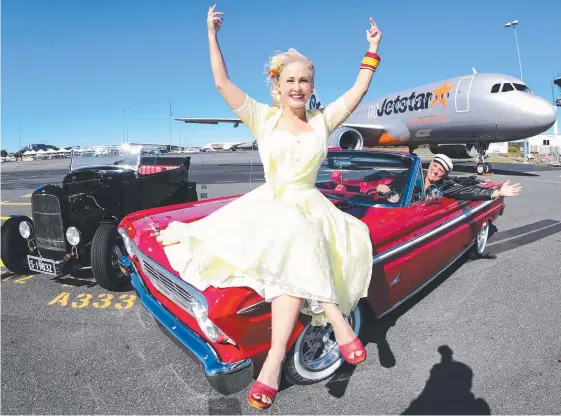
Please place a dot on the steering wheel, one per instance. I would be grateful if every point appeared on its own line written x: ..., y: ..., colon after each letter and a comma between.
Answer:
x: 392, y: 196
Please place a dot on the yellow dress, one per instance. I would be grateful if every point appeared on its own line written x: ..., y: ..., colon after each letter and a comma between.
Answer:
x: 283, y: 237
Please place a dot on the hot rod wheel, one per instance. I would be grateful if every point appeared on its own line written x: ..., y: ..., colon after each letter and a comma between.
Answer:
x: 14, y: 246
x: 315, y: 355
x: 107, y: 248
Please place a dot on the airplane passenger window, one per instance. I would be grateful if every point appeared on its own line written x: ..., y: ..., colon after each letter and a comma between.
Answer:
x: 507, y: 86
x: 522, y: 87
x: 495, y: 88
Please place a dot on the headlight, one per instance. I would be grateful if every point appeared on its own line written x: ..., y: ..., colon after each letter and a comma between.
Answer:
x: 126, y: 241
x: 25, y: 229
x: 207, y: 326
x: 73, y: 236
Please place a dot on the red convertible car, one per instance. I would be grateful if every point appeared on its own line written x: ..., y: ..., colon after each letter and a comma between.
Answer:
x: 415, y: 236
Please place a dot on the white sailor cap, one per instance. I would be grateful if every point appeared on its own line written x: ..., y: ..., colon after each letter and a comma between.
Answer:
x: 445, y: 161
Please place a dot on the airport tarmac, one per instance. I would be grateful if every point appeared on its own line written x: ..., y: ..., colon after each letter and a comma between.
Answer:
x: 482, y: 339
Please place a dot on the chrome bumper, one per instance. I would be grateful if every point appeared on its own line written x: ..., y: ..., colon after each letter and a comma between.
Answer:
x: 225, y: 378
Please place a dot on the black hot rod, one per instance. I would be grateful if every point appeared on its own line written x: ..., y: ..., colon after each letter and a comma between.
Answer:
x: 74, y: 225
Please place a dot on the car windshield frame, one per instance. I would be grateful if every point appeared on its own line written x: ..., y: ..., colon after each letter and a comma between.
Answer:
x: 378, y: 160
x: 125, y: 157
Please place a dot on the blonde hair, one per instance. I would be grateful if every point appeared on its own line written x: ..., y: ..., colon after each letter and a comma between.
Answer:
x: 275, y: 65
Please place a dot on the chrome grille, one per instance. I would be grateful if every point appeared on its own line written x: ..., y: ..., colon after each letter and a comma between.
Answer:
x: 169, y: 285
x: 47, y: 222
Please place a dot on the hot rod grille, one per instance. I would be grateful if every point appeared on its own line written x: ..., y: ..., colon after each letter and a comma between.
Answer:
x: 47, y: 221
x: 169, y: 286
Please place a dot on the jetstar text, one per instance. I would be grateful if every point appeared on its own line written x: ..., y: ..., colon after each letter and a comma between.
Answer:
x: 400, y: 104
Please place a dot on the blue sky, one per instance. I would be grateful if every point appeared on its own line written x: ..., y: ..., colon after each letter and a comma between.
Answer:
x: 70, y: 68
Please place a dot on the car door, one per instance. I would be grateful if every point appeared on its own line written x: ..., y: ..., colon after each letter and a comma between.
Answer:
x: 389, y: 284
x: 440, y: 230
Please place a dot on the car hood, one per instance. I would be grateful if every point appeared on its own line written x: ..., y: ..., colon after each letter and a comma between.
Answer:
x: 143, y: 226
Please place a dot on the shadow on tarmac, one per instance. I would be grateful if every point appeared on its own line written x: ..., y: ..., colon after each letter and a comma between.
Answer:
x: 448, y: 390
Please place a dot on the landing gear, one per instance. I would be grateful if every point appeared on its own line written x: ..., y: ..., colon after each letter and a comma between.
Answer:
x: 482, y: 167
x: 412, y: 149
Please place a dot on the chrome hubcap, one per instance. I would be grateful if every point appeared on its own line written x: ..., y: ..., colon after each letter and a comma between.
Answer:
x: 482, y: 237
x: 318, y: 349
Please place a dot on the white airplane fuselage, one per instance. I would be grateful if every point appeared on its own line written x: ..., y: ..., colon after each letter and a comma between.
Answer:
x: 468, y: 109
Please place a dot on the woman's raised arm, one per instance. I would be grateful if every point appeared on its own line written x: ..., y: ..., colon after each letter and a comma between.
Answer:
x: 339, y: 110
x: 353, y: 96
x: 233, y: 96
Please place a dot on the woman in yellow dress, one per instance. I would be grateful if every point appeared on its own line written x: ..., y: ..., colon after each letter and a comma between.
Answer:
x: 289, y: 243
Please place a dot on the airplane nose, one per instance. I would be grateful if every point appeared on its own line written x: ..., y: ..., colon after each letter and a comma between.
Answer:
x: 545, y: 114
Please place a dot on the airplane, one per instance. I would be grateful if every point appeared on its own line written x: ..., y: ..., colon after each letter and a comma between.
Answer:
x: 458, y: 116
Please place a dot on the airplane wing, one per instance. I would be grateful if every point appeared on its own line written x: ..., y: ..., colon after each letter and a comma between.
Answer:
x: 313, y: 102
x: 235, y: 121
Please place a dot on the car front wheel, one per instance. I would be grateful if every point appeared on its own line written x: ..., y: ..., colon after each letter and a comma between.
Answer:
x: 107, y: 247
x: 315, y: 355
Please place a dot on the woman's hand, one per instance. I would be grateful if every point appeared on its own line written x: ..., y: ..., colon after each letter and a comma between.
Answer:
x: 167, y: 239
x: 213, y: 20
x: 373, y: 36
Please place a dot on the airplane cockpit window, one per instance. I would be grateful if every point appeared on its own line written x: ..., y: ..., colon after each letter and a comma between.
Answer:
x: 522, y: 87
x: 495, y: 88
x: 507, y: 86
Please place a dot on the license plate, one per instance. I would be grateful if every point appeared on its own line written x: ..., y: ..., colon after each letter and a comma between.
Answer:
x: 40, y: 265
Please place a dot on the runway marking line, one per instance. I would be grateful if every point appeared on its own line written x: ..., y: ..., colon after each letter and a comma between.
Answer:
x: 15, y: 203
x: 22, y: 280
x: 4, y: 218
x: 543, y: 180
x: 27, y: 196
x: 103, y: 301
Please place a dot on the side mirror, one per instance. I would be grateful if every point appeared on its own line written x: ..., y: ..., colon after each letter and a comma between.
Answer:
x: 434, y: 195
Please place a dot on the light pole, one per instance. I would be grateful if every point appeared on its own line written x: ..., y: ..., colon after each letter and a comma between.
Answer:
x: 513, y: 25
x: 126, y: 123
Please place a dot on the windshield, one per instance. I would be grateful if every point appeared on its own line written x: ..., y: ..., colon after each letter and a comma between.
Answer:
x: 365, y: 179
x: 124, y: 157
x: 521, y: 87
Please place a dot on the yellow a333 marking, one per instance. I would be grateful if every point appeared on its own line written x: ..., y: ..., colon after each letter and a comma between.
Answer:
x: 102, y: 301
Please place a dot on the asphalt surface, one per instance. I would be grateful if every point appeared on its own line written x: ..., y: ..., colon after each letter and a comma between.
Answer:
x: 484, y: 338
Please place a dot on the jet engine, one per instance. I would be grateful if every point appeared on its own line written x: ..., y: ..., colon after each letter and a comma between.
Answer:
x: 346, y: 138
x: 455, y: 151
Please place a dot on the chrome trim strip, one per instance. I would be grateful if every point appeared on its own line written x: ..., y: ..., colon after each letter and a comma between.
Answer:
x: 250, y: 307
x: 393, y: 251
x: 427, y: 282
x: 201, y: 350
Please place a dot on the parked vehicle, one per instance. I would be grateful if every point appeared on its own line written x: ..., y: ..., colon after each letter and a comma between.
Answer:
x: 74, y: 225
x: 415, y: 236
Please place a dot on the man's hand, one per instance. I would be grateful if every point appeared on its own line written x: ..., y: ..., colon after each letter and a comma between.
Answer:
x: 383, y: 189
x: 510, y: 190
x: 507, y: 190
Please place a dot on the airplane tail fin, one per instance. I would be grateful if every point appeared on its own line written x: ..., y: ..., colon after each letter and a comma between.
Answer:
x: 314, y: 101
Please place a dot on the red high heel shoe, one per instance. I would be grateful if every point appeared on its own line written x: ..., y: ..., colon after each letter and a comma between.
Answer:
x: 354, y: 346
x: 263, y: 390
